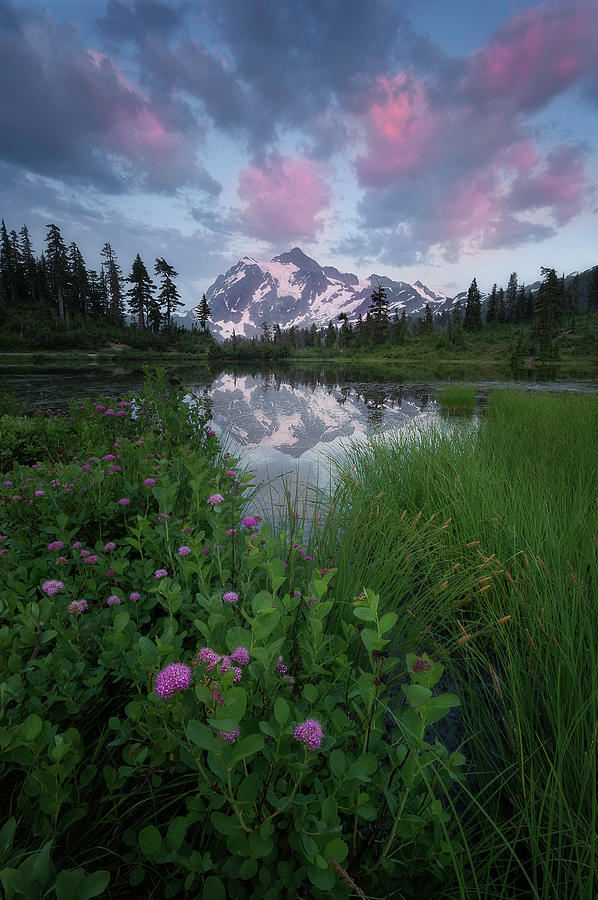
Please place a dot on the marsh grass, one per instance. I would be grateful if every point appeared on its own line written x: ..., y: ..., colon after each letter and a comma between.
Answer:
x: 457, y: 398
x: 485, y: 541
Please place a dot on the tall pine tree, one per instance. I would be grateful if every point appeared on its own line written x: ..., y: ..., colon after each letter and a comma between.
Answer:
x: 58, y: 271
x: 169, y: 297
x: 473, y: 308
x: 141, y: 293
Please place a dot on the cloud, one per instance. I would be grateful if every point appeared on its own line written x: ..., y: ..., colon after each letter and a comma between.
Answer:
x: 457, y: 165
x: 283, y: 199
x: 69, y: 112
x: 535, y: 57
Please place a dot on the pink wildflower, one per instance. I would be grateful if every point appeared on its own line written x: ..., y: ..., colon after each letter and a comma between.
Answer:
x: 52, y: 587
x: 160, y: 573
x: 77, y: 544
x: 55, y: 545
x: 240, y: 655
x: 230, y: 736
x: 214, y: 499
x: 175, y: 677
x: 39, y: 493
x: 184, y: 551
x: 61, y: 561
x: 134, y: 596
x: 149, y: 482
x: 251, y: 521
x: 110, y: 573
x: 421, y: 665
x: 113, y: 600
x: 124, y: 501
x: 310, y: 733
x: 3, y: 537
x: 207, y: 655
x: 232, y: 473
x: 110, y: 457
x: 110, y: 546
x: 77, y: 606
x: 230, y: 597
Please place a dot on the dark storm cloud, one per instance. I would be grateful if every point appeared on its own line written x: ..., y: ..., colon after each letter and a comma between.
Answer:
x: 69, y: 113
x: 141, y: 20
x: 271, y: 65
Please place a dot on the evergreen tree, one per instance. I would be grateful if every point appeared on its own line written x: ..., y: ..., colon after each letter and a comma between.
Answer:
x: 265, y: 338
x: 428, y: 322
x: 315, y: 335
x: 29, y: 265
x: 473, y: 309
x: 511, y: 297
x: 140, y: 293
x: 378, y: 310
x: 169, y: 297
x: 115, y: 310
x: 202, y: 313
x: 57, y: 267
x: 501, y: 310
x: 520, y: 304
x: 491, y: 308
x: 345, y: 332
x: 8, y: 267
x: 593, y: 290
x: 277, y: 334
x: 330, y: 340
x: 547, y: 311
x: 79, y: 281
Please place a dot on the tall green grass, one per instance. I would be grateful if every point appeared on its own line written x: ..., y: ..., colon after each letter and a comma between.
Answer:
x: 457, y: 398
x: 486, y: 541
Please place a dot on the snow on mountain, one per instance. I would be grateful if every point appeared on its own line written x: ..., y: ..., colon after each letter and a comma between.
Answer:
x: 293, y: 289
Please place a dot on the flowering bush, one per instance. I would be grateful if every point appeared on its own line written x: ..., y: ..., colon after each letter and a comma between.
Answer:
x: 222, y: 723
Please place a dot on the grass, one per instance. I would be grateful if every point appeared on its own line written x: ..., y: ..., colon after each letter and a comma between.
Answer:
x: 457, y: 398
x: 485, y: 541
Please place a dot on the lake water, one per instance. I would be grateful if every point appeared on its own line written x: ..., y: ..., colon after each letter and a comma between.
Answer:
x: 284, y: 422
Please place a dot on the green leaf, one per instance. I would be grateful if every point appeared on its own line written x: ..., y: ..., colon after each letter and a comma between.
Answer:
x: 177, y: 830
x: 32, y: 727
x: 228, y: 825
x: 213, y: 889
x: 387, y: 621
x: 94, y: 885
x: 363, y: 612
x: 235, y: 704
x: 338, y: 763
x: 150, y: 840
x: 363, y: 767
x: 247, y: 746
x: 67, y: 884
x: 310, y: 692
x: 281, y: 711
x: 336, y: 850
x: 416, y: 694
x: 200, y: 734
x: 121, y: 620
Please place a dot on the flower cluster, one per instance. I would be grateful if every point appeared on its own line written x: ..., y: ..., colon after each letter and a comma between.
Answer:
x: 214, y: 499
x: 175, y: 677
x: 113, y: 600
x: 310, y: 733
x: 230, y: 597
x: 52, y: 587
x: 230, y: 736
x: 77, y: 606
x: 421, y: 665
x: 223, y: 663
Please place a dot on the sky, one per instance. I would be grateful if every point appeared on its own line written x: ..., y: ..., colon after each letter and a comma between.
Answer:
x: 438, y: 140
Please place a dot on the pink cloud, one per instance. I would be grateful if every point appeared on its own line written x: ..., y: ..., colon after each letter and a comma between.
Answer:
x: 400, y: 132
x: 283, y: 199
x: 537, y: 55
x: 561, y: 186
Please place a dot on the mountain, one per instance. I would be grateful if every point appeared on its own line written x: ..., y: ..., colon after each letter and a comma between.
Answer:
x: 293, y: 289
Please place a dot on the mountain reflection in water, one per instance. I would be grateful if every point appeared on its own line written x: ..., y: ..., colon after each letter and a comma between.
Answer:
x: 288, y: 421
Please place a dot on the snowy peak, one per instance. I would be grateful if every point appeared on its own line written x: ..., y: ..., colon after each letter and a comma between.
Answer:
x: 293, y: 289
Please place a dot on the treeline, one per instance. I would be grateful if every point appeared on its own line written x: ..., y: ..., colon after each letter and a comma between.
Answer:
x: 56, y: 292
x: 540, y: 313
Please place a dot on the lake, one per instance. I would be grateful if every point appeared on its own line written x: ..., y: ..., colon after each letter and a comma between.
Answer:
x: 283, y: 421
